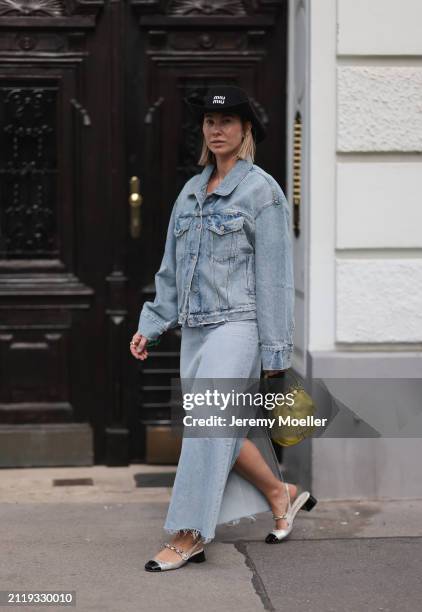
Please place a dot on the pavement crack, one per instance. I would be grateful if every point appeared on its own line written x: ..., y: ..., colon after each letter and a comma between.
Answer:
x: 258, y: 585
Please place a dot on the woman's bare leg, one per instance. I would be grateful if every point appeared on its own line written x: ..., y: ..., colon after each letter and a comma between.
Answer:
x: 251, y: 465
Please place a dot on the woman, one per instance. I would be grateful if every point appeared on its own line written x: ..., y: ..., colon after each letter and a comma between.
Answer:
x: 227, y: 278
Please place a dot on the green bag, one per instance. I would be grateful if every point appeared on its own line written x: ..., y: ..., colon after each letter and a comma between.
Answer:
x: 303, y: 407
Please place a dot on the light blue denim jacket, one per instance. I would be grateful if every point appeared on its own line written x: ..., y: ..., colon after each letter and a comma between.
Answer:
x: 228, y: 256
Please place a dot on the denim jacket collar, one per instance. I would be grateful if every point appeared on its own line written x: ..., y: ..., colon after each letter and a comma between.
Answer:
x: 230, y: 181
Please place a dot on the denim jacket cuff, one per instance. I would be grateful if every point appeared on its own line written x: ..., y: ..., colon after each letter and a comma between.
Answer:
x: 149, y: 327
x: 276, y: 357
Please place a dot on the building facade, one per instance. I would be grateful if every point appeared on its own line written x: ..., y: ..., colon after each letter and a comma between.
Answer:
x: 359, y: 277
x: 96, y: 144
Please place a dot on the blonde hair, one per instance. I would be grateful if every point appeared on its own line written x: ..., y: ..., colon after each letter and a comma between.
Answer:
x: 246, y: 150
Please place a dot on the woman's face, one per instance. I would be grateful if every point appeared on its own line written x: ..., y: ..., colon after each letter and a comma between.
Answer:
x: 223, y: 133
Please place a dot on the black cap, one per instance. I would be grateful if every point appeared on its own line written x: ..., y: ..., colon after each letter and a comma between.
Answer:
x: 222, y: 98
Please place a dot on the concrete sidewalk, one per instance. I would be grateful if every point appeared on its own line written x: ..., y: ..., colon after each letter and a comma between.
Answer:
x: 94, y: 539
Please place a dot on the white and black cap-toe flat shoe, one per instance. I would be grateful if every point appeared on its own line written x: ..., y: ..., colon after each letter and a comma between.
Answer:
x: 194, y: 555
x: 305, y: 501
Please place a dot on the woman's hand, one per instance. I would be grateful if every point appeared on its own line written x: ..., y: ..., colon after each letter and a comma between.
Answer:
x: 138, y: 346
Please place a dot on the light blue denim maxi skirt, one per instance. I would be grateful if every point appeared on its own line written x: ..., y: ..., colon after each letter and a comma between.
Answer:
x: 207, y: 491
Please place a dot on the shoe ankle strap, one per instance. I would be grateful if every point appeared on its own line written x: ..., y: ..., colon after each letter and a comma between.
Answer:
x: 179, y: 551
x: 285, y: 515
x: 288, y: 494
x: 185, y: 554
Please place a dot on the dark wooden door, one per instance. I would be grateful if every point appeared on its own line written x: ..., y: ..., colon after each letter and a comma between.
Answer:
x: 91, y: 94
x: 48, y: 300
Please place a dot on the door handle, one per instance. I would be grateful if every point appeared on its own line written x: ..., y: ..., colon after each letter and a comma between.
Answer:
x: 135, y: 201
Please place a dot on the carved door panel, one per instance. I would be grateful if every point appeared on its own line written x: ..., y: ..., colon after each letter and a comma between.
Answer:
x: 178, y: 48
x: 45, y: 356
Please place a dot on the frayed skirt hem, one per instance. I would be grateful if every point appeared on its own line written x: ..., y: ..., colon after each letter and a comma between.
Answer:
x: 207, y: 539
x: 195, y: 532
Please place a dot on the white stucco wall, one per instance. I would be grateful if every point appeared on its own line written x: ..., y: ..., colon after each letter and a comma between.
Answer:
x: 322, y: 174
x: 379, y: 108
x: 365, y: 215
x: 379, y: 141
x: 365, y: 174
x: 378, y: 300
x: 379, y: 209
x: 379, y: 27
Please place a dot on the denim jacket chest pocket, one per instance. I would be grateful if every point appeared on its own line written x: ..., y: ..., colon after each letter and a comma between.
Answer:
x: 224, y: 233
x: 181, y: 227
